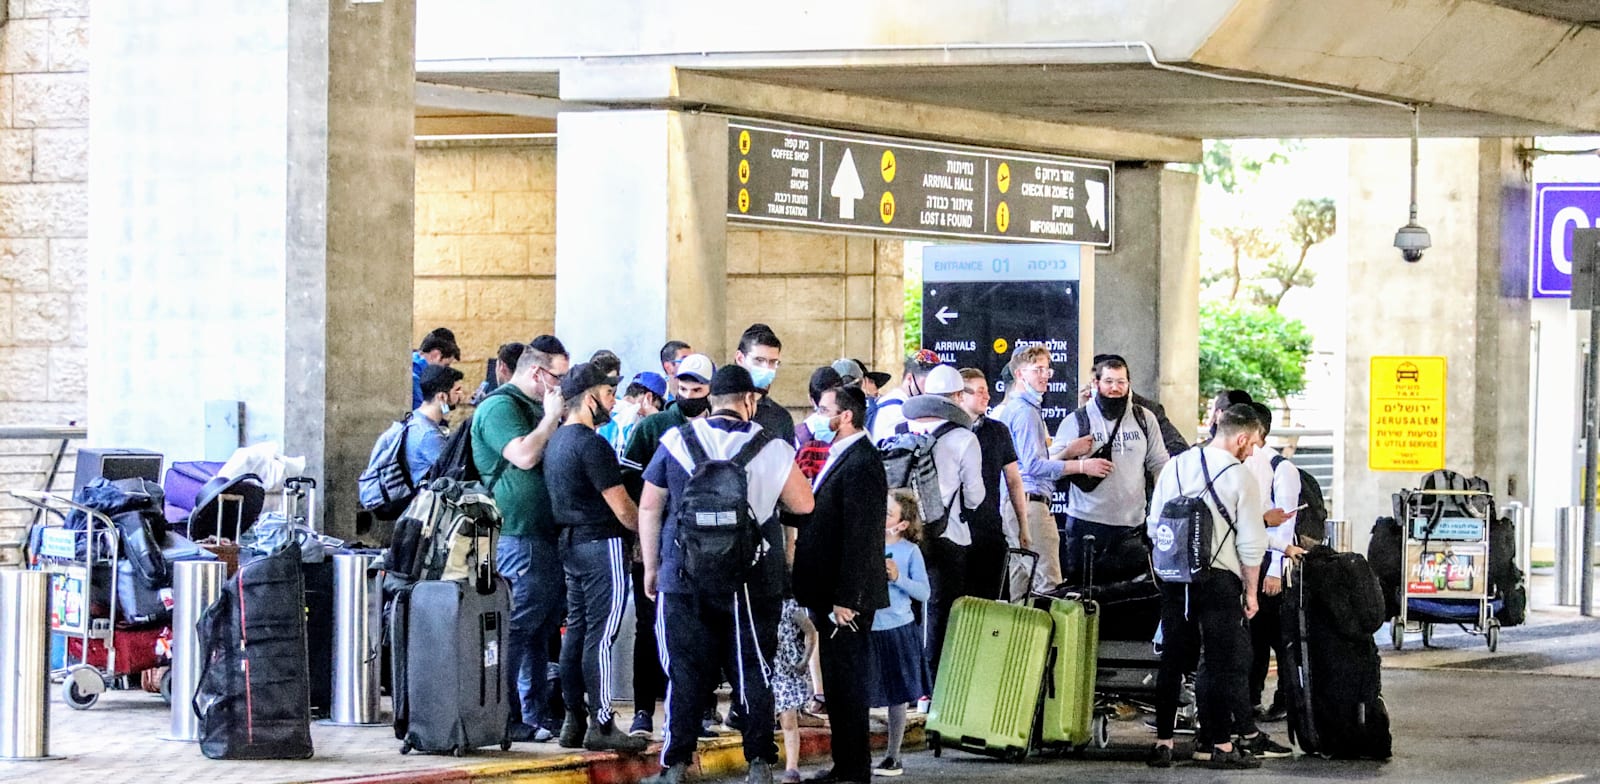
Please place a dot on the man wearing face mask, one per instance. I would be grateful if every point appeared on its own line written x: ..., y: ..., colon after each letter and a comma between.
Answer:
x: 761, y: 353
x: 815, y: 435
x: 693, y: 382
x: 1207, y: 615
x: 646, y: 394
x: 510, y: 431
x: 1127, y: 451
x: 1023, y: 414
x: 595, y: 517
x: 887, y: 416
x: 702, y: 626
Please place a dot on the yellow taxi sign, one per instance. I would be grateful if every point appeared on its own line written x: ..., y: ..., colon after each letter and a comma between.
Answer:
x: 1406, y: 414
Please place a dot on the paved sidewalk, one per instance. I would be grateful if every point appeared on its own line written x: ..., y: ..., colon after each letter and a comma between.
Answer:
x: 119, y: 740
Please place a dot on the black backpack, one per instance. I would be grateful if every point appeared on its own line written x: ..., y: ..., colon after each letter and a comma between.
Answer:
x: 1181, y: 543
x: 455, y: 459
x: 1312, y: 521
x: 718, y: 535
x: 908, y: 462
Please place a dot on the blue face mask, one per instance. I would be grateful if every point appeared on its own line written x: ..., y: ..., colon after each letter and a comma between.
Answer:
x: 762, y: 376
x: 821, y: 428
x: 1032, y: 395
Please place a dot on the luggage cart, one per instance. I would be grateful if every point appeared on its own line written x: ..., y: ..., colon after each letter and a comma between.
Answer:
x: 72, y: 592
x: 1445, y: 565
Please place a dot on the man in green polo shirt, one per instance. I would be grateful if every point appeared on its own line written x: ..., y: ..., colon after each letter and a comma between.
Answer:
x: 509, y: 433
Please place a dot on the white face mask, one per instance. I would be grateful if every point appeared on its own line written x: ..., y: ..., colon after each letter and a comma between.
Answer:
x: 444, y: 409
x: 625, y: 412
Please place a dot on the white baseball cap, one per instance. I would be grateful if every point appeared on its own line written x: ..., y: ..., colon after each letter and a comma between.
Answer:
x: 697, y: 368
x: 943, y: 380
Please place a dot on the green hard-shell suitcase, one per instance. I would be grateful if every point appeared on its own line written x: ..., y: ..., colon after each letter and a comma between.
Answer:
x: 986, y: 699
x: 1067, y: 714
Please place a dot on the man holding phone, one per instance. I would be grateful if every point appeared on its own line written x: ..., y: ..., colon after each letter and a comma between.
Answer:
x: 1107, y: 499
x: 1279, y: 481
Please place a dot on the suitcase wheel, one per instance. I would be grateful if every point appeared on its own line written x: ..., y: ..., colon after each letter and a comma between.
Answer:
x: 1427, y: 635
x: 459, y: 751
x: 505, y: 745
x: 935, y: 745
x: 1100, y: 731
x: 1015, y: 755
x: 1494, y: 635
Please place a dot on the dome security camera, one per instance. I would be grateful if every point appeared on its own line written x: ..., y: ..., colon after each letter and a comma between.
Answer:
x: 1412, y: 240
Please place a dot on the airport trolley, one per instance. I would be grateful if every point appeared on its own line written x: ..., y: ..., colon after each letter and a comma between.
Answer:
x: 75, y: 561
x: 1445, y: 564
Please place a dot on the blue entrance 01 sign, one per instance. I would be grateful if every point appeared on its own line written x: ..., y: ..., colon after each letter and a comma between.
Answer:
x: 1559, y: 210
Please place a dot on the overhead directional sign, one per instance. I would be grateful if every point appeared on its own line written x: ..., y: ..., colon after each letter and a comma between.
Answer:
x: 808, y: 177
x: 1559, y: 210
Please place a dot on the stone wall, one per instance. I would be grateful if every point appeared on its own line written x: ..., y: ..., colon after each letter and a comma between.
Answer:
x: 485, y: 242
x: 44, y: 167
x: 485, y: 267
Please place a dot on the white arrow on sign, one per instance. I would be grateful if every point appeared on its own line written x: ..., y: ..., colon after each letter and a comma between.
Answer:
x: 1096, y: 206
x: 847, y: 186
x: 946, y: 315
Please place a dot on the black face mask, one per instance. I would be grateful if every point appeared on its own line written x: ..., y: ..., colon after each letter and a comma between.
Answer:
x: 1111, y: 407
x: 692, y: 407
x: 600, y: 414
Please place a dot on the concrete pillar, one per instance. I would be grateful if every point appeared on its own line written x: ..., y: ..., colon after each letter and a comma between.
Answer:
x: 1146, y: 291
x: 1466, y: 300
x: 251, y: 226
x: 641, y: 237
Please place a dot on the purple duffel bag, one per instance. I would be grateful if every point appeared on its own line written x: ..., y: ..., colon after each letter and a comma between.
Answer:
x: 182, y: 484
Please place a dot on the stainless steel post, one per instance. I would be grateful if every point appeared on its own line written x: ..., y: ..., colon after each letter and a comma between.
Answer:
x: 357, y: 619
x: 24, y: 665
x: 1569, y: 555
x: 1339, y: 535
x: 196, y: 585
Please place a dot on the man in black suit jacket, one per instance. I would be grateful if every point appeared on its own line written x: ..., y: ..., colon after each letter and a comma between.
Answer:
x: 839, y: 576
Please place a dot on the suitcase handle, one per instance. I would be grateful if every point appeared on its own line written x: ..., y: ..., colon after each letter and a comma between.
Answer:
x: 1033, y: 569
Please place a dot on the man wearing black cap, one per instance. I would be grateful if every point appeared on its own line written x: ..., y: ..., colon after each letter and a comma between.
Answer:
x: 705, y: 618
x: 594, y: 515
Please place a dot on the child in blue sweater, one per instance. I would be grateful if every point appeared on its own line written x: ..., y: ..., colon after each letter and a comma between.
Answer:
x: 899, y: 672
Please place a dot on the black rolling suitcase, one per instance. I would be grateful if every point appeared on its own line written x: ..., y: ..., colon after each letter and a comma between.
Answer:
x: 1332, y: 605
x: 253, y: 697
x: 449, y: 688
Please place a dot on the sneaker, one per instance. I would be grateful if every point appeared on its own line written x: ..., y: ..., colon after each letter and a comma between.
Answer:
x: 1262, y: 746
x: 760, y: 773
x: 671, y: 775
x: 644, y: 725
x: 526, y: 733
x: 1160, y: 756
x: 709, y: 722
x: 792, y: 777
x: 888, y: 767
x: 1234, y: 759
x: 608, y: 737
x: 573, y: 730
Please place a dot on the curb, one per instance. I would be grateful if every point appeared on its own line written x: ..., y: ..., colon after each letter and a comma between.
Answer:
x: 717, y: 758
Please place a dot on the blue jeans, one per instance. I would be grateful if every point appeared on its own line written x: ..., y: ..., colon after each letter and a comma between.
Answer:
x: 538, y: 595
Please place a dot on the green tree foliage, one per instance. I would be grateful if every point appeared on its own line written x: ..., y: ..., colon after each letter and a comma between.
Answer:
x: 913, y: 309
x: 1312, y: 221
x: 1243, y: 243
x: 1260, y: 351
x: 1228, y: 166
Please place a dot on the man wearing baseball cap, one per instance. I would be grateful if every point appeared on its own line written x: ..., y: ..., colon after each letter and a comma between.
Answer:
x: 693, y: 380
x: 959, y: 461
x: 646, y: 394
x: 594, y: 516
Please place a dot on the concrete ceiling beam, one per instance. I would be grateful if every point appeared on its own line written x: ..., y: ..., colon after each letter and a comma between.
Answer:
x: 666, y: 86
x: 1463, y: 53
x: 474, y: 99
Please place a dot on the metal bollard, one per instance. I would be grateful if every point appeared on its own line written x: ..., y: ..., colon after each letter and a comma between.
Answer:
x: 24, y: 665
x: 1339, y: 535
x: 357, y: 641
x: 196, y: 585
x: 1569, y: 555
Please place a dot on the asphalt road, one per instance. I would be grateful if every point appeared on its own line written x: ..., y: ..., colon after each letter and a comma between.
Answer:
x: 1449, y: 726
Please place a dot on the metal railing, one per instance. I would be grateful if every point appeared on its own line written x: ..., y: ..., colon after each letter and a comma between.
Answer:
x: 31, y: 458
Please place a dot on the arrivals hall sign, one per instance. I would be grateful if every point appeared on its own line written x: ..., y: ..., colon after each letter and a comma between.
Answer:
x: 791, y: 175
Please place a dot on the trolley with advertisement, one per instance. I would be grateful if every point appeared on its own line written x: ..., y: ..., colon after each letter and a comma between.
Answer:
x: 1445, y: 564
x: 82, y: 564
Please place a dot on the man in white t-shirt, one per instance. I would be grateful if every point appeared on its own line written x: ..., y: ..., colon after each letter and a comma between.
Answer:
x: 959, y: 461
x: 1280, y: 493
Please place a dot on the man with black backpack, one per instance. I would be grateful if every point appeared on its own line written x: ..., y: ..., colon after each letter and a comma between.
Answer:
x: 713, y: 550
x: 510, y: 430
x: 1207, y: 544
x: 405, y: 452
x: 936, y: 424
